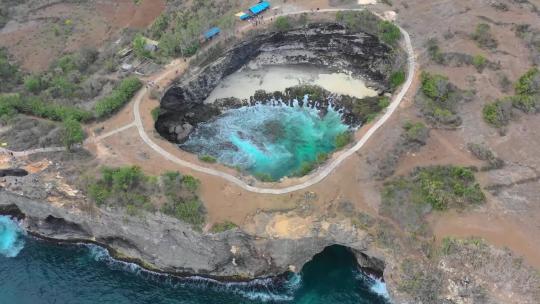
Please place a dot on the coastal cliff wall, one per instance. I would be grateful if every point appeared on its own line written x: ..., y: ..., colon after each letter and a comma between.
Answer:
x: 165, y: 244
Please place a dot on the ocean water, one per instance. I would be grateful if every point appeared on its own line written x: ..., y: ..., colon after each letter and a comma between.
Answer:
x: 42, y: 272
x: 267, y: 140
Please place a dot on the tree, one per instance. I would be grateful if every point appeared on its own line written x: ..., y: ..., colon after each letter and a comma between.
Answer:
x: 72, y: 132
x: 139, y: 47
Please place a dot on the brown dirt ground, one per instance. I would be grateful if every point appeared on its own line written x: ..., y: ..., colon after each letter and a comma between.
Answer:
x: 33, y: 43
x: 498, y: 221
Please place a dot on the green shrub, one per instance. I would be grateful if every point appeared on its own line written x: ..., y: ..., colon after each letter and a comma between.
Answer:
x: 208, y: 159
x: 33, y: 84
x: 497, y: 113
x: 397, y: 78
x: 343, y: 139
x: 9, y: 73
x: 479, y: 62
x: 389, y: 32
x: 60, y: 86
x: 408, y: 199
x: 529, y: 83
x: 435, y: 86
x: 118, y: 97
x: 282, y: 23
x: 434, y: 51
x: 415, y: 132
x: 223, y: 226
x: 73, y: 133
x: 139, y: 47
x: 159, y: 26
x: 384, y: 102
x: 264, y: 177
x: 483, y: 36
x: 35, y: 106
x: 359, y: 21
x: 191, y: 183
x: 191, y: 211
x: 155, y: 113
x: 305, y: 169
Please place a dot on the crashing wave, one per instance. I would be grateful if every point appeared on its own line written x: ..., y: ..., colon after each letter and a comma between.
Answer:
x: 11, y: 237
x: 263, y: 289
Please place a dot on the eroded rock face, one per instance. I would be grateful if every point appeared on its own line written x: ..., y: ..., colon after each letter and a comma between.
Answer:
x: 323, y: 45
x: 169, y: 245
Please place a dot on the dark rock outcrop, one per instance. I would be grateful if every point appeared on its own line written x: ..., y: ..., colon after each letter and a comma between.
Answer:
x: 323, y: 45
x: 13, y: 172
x: 165, y: 244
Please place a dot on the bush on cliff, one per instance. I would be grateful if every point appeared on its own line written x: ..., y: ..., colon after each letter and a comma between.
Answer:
x: 15, y: 103
x: 408, y: 199
x: 128, y: 187
x: 118, y: 97
x: 365, y: 21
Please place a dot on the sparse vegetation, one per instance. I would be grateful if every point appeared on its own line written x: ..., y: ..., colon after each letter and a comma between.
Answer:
x: 9, y: 73
x: 526, y: 98
x: 498, y: 113
x: 389, y: 32
x: 434, y: 51
x: 408, y: 199
x: 118, y: 97
x: 343, y: 139
x: 415, y: 135
x: 15, y: 103
x: 208, y: 159
x: 415, y: 132
x: 223, y: 226
x: 155, y: 113
x: 479, y: 62
x: 483, y: 36
x: 424, y: 284
x: 130, y: 188
x: 397, y: 78
x: 72, y: 132
x: 483, y: 153
x: 437, y: 99
x: 369, y: 23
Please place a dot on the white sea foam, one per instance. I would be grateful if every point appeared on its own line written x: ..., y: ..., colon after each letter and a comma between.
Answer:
x: 262, y: 289
x: 11, y: 237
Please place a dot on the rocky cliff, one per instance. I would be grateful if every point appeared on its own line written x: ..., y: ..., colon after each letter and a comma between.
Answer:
x: 323, y: 45
x: 162, y: 243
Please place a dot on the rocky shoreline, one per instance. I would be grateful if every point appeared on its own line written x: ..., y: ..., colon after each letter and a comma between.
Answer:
x: 328, y: 45
x: 162, y: 244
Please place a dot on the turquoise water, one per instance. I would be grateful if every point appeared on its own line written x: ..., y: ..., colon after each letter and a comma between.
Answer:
x: 267, y: 140
x: 43, y: 272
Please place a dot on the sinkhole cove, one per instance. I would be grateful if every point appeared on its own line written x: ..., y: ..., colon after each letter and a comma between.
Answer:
x: 279, y: 104
x: 36, y: 271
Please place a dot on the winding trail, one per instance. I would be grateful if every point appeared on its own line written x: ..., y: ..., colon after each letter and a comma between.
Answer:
x: 322, y: 172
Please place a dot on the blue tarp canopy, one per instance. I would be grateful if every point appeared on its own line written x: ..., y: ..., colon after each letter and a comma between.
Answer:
x: 212, y: 32
x: 245, y: 17
x: 257, y: 9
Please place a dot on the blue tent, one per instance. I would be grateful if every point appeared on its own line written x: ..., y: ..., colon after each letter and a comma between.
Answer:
x: 259, y: 8
x: 211, y: 33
